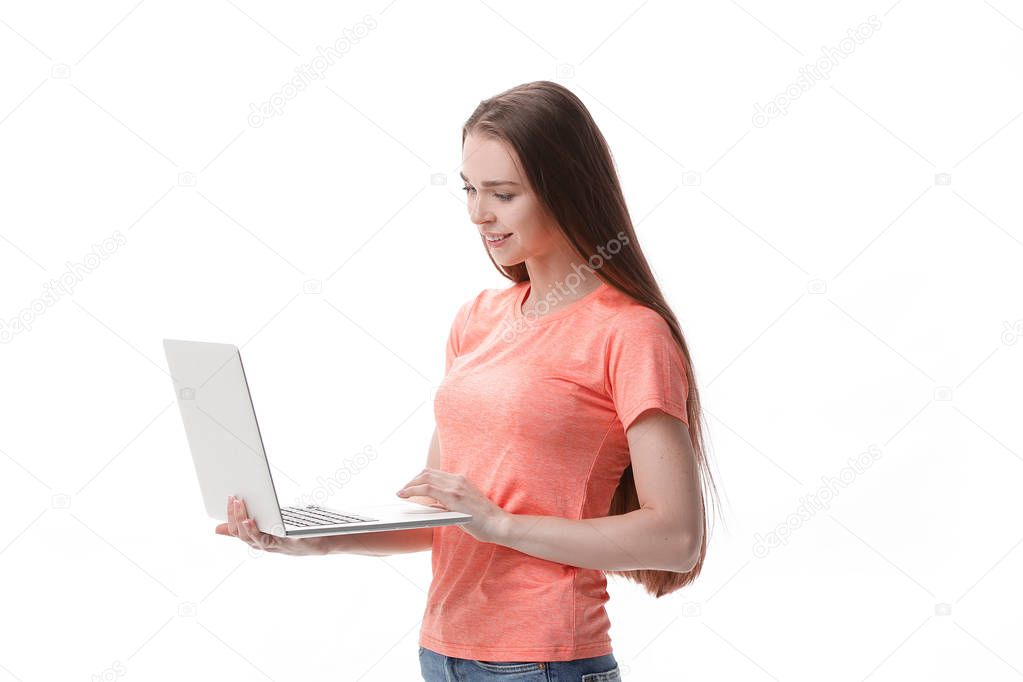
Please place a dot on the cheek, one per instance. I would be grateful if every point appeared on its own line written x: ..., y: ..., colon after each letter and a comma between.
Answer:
x: 526, y: 219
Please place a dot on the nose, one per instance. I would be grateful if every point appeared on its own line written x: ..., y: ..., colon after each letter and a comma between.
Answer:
x: 476, y: 212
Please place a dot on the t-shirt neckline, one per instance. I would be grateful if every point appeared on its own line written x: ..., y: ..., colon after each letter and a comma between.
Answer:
x: 557, y: 312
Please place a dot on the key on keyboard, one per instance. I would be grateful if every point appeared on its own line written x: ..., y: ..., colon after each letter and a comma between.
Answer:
x: 313, y: 515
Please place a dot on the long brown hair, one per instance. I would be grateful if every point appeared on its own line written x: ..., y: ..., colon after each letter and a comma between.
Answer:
x: 568, y: 164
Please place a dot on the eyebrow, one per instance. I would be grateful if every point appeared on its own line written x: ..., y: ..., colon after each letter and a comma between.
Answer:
x: 491, y: 183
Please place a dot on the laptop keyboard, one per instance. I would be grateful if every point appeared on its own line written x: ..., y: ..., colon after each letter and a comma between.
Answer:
x: 314, y: 515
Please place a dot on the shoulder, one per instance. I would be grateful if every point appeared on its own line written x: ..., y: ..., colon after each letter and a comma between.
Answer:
x: 498, y: 298
x: 637, y: 334
x: 632, y: 320
x: 487, y: 301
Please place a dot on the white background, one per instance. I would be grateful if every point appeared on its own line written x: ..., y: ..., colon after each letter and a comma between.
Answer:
x: 837, y: 292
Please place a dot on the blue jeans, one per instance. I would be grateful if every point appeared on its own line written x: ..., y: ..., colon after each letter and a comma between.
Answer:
x: 440, y: 668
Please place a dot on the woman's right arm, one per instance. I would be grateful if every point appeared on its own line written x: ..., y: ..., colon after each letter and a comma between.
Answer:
x: 381, y: 543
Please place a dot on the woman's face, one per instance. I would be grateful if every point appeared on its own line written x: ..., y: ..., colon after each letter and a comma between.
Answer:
x: 509, y: 208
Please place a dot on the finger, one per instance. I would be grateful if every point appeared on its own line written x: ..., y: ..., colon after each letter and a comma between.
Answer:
x: 418, y: 478
x: 246, y: 525
x: 222, y: 529
x: 238, y: 516
x: 257, y: 537
x: 422, y: 499
x: 243, y: 514
x: 245, y: 533
x: 232, y: 518
x: 432, y: 474
x: 422, y: 489
x: 243, y: 519
x: 263, y: 541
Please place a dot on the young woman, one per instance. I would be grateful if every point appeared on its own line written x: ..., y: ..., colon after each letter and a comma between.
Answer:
x: 568, y: 420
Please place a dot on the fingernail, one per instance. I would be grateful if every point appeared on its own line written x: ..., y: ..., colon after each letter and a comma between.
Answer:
x: 401, y: 493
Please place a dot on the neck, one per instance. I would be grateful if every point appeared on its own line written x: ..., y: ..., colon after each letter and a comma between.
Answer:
x: 568, y: 278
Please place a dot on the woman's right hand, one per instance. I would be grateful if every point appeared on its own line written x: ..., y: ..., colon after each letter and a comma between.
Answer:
x: 239, y: 525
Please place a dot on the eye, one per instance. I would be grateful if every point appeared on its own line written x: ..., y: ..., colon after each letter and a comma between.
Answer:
x: 500, y: 197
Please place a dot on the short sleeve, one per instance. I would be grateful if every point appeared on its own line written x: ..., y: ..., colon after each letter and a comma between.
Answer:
x: 455, y: 335
x: 645, y: 366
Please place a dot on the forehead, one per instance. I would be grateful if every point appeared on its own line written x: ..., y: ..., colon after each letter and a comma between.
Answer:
x: 487, y: 158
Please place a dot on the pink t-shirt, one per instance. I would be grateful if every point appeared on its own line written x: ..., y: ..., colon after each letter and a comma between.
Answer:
x: 533, y: 412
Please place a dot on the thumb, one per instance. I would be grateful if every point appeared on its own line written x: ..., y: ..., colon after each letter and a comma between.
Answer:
x: 222, y: 529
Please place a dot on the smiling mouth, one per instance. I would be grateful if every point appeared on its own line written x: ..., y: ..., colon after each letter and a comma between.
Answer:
x: 497, y: 240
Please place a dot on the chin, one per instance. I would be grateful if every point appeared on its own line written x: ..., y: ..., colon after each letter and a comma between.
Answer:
x: 508, y: 260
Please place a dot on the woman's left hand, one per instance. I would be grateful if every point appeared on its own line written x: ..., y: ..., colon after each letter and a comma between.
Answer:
x: 455, y: 493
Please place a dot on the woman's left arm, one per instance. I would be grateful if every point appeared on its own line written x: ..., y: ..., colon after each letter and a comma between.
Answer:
x: 664, y: 534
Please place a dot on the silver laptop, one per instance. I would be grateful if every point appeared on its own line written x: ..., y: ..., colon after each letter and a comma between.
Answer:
x: 220, y: 424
